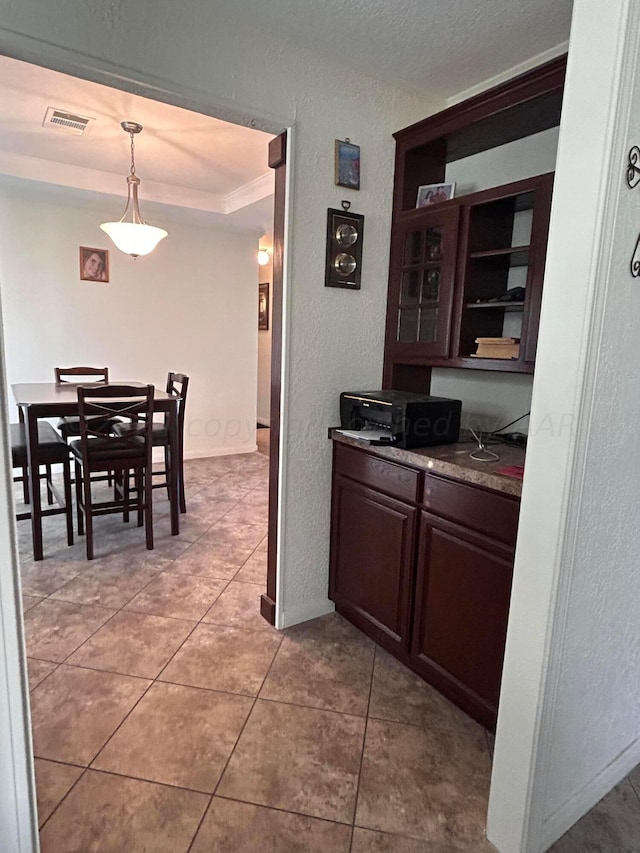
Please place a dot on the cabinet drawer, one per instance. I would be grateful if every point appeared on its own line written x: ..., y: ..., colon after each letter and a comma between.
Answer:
x: 489, y: 513
x: 387, y: 477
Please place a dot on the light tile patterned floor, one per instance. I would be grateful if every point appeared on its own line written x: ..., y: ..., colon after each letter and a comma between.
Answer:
x: 168, y: 716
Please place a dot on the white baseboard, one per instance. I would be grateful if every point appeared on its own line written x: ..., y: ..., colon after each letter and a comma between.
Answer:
x: 579, y: 804
x: 264, y: 421
x: 220, y: 451
x: 304, y: 613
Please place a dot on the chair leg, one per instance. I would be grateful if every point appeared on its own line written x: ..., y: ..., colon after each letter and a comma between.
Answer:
x: 167, y: 468
x: 125, y: 494
x: 140, y: 495
x: 180, y: 472
x: 80, y: 508
x: 68, y: 503
x: 148, y: 503
x: 88, y: 512
x: 25, y: 485
x: 48, y: 480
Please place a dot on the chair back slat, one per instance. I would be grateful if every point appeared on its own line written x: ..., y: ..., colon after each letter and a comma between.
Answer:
x: 100, y: 374
x: 177, y: 385
x: 113, y: 401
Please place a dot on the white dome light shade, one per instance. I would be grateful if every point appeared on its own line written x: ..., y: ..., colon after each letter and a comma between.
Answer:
x: 134, y: 238
x: 263, y: 257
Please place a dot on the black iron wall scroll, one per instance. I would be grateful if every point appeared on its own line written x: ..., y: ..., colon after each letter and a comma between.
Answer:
x: 633, y: 179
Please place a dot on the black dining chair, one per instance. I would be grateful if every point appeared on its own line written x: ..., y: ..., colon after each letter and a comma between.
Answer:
x: 177, y: 385
x: 69, y: 426
x: 53, y: 450
x: 96, y: 452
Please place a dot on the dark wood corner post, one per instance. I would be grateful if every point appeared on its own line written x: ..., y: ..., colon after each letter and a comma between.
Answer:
x: 277, y: 161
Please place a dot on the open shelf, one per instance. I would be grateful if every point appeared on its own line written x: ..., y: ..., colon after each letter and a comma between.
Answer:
x: 502, y: 306
x: 517, y: 108
x: 517, y: 256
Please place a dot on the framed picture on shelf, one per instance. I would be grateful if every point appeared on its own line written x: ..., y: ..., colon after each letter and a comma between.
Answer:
x: 347, y: 164
x: 263, y: 307
x: 434, y: 193
x: 94, y: 264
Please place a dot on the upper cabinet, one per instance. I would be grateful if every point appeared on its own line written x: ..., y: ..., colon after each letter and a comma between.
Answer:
x: 422, y: 283
x: 473, y: 266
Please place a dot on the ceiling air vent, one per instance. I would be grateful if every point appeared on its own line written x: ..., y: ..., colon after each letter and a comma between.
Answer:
x: 63, y: 120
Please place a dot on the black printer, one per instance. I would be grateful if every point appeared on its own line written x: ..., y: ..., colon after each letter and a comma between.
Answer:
x: 402, y: 419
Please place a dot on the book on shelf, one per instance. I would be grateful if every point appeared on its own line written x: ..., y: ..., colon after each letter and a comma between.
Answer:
x: 497, y: 348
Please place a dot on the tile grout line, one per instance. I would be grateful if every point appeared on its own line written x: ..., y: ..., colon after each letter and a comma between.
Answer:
x: 281, y: 810
x: 364, y: 742
x: 151, y: 681
x: 106, y: 622
x: 131, y: 710
x: 57, y: 806
x: 233, y: 749
x: 123, y: 606
x: 154, y: 681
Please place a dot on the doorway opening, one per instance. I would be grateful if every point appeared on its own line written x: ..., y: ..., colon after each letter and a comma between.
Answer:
x: 52, y: 195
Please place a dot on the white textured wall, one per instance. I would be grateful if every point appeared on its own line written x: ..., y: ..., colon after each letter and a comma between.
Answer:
x: 569, y: 723
x: 601, y: 643
x: 264, y: 353
x: 196, y: 50
x: 190, y: 306
x: 489, y: 400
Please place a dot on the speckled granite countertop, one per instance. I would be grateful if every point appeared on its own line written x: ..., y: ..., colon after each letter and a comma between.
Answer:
x: 452, y: 460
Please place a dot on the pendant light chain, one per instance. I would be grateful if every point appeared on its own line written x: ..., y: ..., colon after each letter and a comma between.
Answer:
x: 133, y: 162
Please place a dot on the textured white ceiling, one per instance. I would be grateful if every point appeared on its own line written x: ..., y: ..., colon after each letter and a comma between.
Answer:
x: 438, y: 48
x: 435, y: 47
x: 182, y: 157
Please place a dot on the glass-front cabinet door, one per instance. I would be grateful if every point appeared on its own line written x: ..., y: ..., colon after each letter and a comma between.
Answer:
x: 422, y: 279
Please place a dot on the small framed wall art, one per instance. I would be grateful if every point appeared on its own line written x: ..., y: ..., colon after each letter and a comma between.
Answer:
x: 434, y: 193
x: 344, y: 249
x: 94, y: 264
x: 263, y: 306
x: 347, y: 164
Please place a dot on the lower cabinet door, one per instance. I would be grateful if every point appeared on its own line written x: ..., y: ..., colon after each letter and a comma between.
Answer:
x: 372, y: 557
x: 461, y: 611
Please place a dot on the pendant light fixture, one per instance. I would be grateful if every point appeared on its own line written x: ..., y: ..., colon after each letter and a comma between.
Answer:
x: 131, y: 234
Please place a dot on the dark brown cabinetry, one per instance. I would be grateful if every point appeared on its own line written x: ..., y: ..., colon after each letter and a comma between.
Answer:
x: 486, y: 243
x: 455, y: 270
x: 461, y: 608
x: 423, y: 565
x: 373, y: 522
x: 373, y: 559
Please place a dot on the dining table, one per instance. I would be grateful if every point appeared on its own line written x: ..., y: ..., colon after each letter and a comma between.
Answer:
x: 37, y: 400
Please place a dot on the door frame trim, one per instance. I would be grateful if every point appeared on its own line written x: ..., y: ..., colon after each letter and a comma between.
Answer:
x: 278, y: 162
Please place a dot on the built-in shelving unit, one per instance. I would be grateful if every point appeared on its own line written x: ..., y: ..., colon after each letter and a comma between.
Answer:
x: 451, y: 262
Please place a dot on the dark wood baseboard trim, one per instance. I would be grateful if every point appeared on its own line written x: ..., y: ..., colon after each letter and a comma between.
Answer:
x: 268, y: 609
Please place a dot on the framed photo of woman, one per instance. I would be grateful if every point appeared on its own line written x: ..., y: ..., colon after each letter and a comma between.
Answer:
x: 94, y: 264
